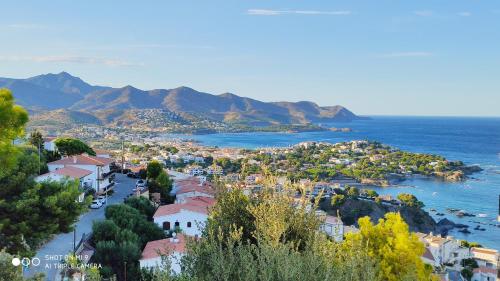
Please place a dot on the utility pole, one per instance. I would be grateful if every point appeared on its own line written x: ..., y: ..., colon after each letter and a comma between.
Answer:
x: 123, y: 156
x: 125, y: 272
x: 74, y: 240
x: 39, y: 159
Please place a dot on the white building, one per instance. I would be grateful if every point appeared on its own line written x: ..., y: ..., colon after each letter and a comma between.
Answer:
x: 155, y: 253
x: 189, y: 216
x: 484, y: 274
x: 194, y: 170
x: 83, y: 176
x: 100, y: 167
x: 443, y: 249
x: 192, y: 187
x: 333, y: 227
x: 485, y: 257
x: 49, y: 143
x: 214, y: 170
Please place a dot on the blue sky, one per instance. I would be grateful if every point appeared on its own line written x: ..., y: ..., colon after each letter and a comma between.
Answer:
x: 423, y: 57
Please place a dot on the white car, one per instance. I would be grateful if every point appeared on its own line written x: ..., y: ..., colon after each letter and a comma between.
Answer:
x: 96, y: 204
x: 102, y: 198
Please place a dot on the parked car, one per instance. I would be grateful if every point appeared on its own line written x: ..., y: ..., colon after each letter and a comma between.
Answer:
x: 140, y: 183
x: 131, y: 175
x: 102, y: 198
x: 96, y: 204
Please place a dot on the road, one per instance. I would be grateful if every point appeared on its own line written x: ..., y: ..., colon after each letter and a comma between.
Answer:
x: 62, y: 244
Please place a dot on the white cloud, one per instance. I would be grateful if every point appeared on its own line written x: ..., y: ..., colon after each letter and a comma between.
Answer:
x: 465, y: 14
x: 266, y: 12
x: 406, y: 54
x: 425, y: 13
x: 70, y: 59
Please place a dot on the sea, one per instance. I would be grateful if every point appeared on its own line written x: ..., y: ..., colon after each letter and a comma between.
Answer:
x: 475, y: 141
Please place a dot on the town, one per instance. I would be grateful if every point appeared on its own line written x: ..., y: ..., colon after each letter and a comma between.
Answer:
x: 181, y: 180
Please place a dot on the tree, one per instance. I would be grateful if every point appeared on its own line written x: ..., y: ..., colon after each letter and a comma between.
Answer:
x: 69, y: 146
x: 36, y: 139
x: 154, y: 169
x: 410, y: 200
x: 143, y: 205
x: 338, y: 200
x: 7, y: 271
x: 13, y: 118
x: 397, y: 251
x: 371, y: 193
x: 31, y: 211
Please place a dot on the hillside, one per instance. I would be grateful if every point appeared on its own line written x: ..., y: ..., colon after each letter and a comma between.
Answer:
x: 64, y: 91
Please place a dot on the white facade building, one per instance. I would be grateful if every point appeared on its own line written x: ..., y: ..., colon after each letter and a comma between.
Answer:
x: 155, y: 252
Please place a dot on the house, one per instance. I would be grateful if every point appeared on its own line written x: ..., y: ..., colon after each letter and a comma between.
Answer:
x: 192, y: 187
x: 194, y: 170
x: 484, y: 274
x: 73, y: 173
x: 443, y: 249
x: 429, y: 258
x: 156, y: 251
x: 215, y: 170
x: 485, y: 257
x: 199, y: 160
x: 102, y: 177
x: 333, y: 227
x: 188, y: 216
x: 102, y: 153
x: 253, y: 178
x: 49, y: 143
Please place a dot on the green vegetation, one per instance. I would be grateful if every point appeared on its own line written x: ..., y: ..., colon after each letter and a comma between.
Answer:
x: 410, y: 200
x: 120, y: 238
x: 158, y: 180
x: 12, y: 121
x: 11, y: 273
x: 367, y: 162
x: 242, y: 241
x: 30, y: 212
x: 69, y: 146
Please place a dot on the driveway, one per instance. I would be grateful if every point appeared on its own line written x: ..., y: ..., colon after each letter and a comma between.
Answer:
x: 53, y: 252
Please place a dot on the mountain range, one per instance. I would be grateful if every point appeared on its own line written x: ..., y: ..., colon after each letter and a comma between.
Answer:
x: 69, y: 96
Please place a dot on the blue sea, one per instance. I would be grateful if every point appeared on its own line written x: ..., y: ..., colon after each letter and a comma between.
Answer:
x: 471, y: 140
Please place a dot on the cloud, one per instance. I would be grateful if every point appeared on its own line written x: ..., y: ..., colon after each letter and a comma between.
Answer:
x: 425, y: 13
x: 266, y: 12
x: 71, y: 59
x: 465, y: 14
x: 406, y: 54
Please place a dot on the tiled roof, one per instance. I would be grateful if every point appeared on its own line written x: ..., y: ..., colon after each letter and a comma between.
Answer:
x: 428, y: 255
x: 157, y: 248
x: 195, y: 204
x: 332, y: 220
x: 48, y: 139
x: 484, y: 251
x: 72, y: 172
x: 485, y: 270
x: 195, y: 188
x: 82, y: 159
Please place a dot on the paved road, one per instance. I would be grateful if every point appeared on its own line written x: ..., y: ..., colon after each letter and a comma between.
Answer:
x: 62, y: 244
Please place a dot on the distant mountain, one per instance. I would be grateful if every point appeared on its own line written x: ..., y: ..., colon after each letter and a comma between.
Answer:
x: 106, y: 104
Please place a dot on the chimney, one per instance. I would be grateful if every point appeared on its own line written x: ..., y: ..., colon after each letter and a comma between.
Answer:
x: 74, y: 159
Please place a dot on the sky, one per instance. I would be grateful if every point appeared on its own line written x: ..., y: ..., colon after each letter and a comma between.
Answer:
x: 381, y: 57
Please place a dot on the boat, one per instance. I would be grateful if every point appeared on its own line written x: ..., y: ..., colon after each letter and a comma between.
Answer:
x: 482, y: 215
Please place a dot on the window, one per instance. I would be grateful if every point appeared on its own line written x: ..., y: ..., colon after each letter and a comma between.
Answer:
x: 166, y: 225
x: 177, y: 224
x: 189, y: 224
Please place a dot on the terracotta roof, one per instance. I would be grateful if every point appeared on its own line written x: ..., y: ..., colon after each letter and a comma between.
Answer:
x: 82, y: 159
x: 156, y: 248
x: 485, y: 270
x: 428, y: 255
x: 484, y: 251
x: 72, y: 172
x: 332, y: 220
x: 101, y: 151
x: 194, y: 188
x: 195, y: 204
x: 46, y: 139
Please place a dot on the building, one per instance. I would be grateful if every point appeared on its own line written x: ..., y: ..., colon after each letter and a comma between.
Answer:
x: 72, y: 173
x: 194, y: 170
x: 333, y: 227
x: 484, y: 274
x: 485, y: 257
x: 155, y: 252
x: 49, y: 143
x: 189, y: 217
x: 443, y: 249
x: 192, y: 187
x: 215, y: 170
x: 102, y: 177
